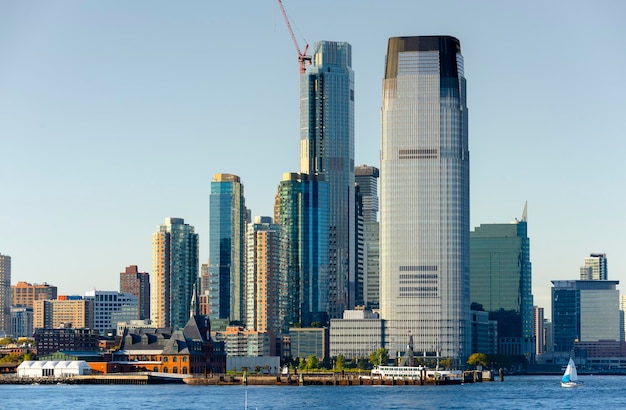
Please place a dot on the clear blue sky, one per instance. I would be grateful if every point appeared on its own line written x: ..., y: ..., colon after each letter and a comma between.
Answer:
x: 115, y: 115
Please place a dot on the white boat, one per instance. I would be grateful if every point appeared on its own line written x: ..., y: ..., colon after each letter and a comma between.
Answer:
x: 414, y: 373
x: 570, y: 377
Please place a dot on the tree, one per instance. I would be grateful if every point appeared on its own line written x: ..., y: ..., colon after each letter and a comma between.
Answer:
x: 476, y: 359
x: 379, y: 357
x: 446, y: 363
x: 312, y: 362
x: 341, y: 361
x: 361, y: 363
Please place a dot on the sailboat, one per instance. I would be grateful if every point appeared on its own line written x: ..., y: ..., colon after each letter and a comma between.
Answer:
x: 570, y: 377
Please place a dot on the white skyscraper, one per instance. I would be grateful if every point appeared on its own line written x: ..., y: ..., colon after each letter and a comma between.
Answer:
x: 424, y: 212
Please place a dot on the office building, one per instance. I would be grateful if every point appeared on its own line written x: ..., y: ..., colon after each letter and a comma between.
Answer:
x: 227, y: 226
x: 424, y: 198
x: 327, y: 152
x: 21, y: 321
x: 137, y: 284
x: 266, y: 278
x: 5, y: 294
x: 25, y: 293
x: 595, y: 267
x: 75, y: 313
x: 52, y: 340
x: 540, y: 330
x: 174, y: 272
x: 240, y: 342
x: 301, y: 210
x: 356, y: 335
x: 366, y: 178
x: 307, y: 341
x: 111, y: 307
x: 501, y: 281
x: 584, y: 311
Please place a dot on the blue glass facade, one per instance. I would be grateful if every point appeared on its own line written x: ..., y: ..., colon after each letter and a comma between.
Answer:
x: 501, y: 281
x: 227, y: 224
x: 303, y: 213
x: 327, y: 151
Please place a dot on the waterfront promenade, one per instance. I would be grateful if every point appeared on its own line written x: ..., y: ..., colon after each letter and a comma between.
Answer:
x: 300, y: 379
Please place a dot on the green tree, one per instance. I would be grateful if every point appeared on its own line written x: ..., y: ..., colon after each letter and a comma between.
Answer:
x: 361, y: 363
x: 341, y: 362
x: 446, y: 363
x: 6, y: 341
x: 312, y: 362
x: 476, y: 359
x: 379, y: 357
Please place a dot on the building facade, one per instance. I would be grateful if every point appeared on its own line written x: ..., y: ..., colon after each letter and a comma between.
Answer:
x: 327, y: 152
x: 137, y: 284
x: 595, y: 267
x: 424, y: 208
x: 74, y: 313
x: 356, y: 335
x: 584, y: 311
x: 21, y: 321
x: 307, y: 341
x: 227, y: 226
x: 302, y: 212
x: 111, y: 307
x: 175, y: 271
x: 501, y: 281
x: 366, y: 178
x: 240, y: 342
x: 540, y: 330
x: 266, y: 278
x: 25, y: 293
x: 51, y: 340
x: 5, y: 294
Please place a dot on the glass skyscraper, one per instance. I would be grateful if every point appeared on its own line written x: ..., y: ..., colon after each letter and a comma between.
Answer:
x: 327, y: 152
x: 5, y: 294
x: 501, y: 282
x: 227, y: 227
x: 301, y: 208
x: 174, y: 273
x: 424, y: 209
x: 584, y: 310
x: 366, y: 178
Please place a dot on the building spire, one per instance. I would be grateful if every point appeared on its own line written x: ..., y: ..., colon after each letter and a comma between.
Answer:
x: 525, y: 212
x: 193, y: 311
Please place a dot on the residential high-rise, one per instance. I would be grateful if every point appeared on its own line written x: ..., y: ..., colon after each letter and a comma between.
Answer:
x: 227, y: 227
x: 5, y: 294
x: 137, y: 284
x: 585, y: 311
x: 595, y: 267
x: 174, y: 272
x: 72, y: 312
x: 301, y: 210
x: 501, y: 281
x: 327, y: 152
x: 424, y: 208
x: 24, y: 294
x: 266, y: 279
x: 366, y: 178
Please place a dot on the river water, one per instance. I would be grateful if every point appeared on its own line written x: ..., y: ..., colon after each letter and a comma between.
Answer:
x: 515, y: 392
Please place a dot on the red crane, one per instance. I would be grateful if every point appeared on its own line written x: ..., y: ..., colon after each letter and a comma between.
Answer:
x: 302, y: 57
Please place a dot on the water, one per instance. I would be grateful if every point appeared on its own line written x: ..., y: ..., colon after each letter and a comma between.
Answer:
x: 516, y: 392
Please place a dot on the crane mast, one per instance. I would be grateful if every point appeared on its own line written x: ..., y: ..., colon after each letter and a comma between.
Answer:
x: 302, y: 57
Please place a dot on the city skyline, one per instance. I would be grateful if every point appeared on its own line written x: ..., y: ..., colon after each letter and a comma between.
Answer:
x: 94, y: 95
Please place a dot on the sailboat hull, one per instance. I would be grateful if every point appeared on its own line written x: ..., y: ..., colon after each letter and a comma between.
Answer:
x: 569, y: 384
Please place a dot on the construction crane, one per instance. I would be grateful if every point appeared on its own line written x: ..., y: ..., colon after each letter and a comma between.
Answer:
x: 302, y: 57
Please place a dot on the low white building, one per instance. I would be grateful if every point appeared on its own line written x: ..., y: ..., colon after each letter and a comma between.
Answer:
x: 53, y: 368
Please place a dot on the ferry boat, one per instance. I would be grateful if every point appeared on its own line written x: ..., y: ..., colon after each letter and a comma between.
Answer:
x: 415, y: 373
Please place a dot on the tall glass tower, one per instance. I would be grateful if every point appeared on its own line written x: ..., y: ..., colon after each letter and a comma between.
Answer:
x: 424, y: 210
x: 327, y: 152
x: 5, y: 294
x: 174, y: 272
x: 301, y: 208
x: 227, y: 228
x: 501, y: 281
